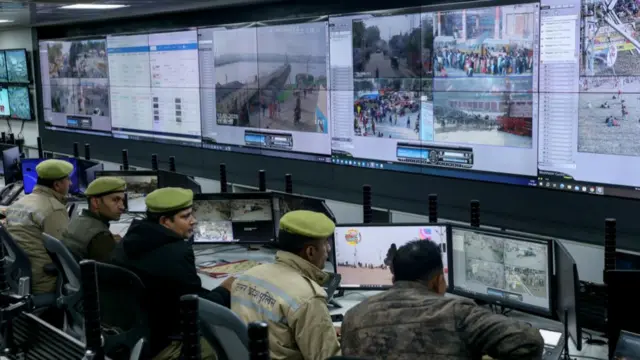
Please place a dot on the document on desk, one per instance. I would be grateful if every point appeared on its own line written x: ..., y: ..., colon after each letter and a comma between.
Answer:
x: 551, y: 338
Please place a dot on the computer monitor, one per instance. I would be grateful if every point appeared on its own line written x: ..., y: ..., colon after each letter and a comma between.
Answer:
x: 234, y: 218
x: 11, y: 163
x: 628, y: 346
x: 504, y: 269
x: 139, y: 185
x: 174, y: 179
x: 623, y: 311
x: 362, y: 250
x: 87, y: 173
x: 30, y: 176
x: 567, y: 291
x: 627, y: 261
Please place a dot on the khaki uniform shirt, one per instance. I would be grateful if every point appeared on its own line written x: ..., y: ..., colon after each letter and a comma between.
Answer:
x: 42, y: 211
x: 287, y: 296
x: 88, y: 237
x: 408, y: 322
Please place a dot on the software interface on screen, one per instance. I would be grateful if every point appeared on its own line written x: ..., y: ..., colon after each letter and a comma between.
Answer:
x: 138, y: 187
x: 155, y: 89
x: 75, y: 85
x: 19, y: 99
x: 427, y: 92
x: 501, y: 268
x: 233, y: 220
x: 363, y: 252
x: 17, y: 66
x: 264, y: 89
x: 4, y: 101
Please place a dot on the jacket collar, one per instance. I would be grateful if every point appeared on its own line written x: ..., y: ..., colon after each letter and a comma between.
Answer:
x: 91, y: 214
x: 39, y: 189
x: 413, y: 285
x: 302, y: 266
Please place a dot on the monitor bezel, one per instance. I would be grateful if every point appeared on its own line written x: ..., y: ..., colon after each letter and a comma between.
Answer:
x: 531, y: 309
x: 557, y: 245
x: 411, y: 224
x: 239, y: 196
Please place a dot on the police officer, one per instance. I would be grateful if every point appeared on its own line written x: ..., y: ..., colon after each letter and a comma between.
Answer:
x: 88, y: 235
x: 155, y: 249
x: 288, y: 294
x: 42, y: 211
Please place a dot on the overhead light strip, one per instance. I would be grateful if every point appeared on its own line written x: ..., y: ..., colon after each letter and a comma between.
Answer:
x: 93, y: 6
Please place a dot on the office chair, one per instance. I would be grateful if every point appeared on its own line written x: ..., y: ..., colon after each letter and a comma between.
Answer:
x: 190, y: 329
x: 224, y: 330
x: 71, y: 209
x: 122, y: 310
x: 19, y: 274
x: 69, y: 291
x: 35, y: 339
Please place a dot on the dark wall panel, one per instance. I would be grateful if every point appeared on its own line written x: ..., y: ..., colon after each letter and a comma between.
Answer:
x: 564, y: 214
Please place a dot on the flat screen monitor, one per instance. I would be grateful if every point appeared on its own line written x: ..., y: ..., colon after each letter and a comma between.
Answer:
x: 161, y: 101
x: 234, y: 218
x: 11, y: 164
x: 623, y: 311
x: 174, y: 179
x: 269, y: 90
x: 628, y: 346
x: 3, y: 67
x: 627, y: 261
x: 87, y: 172
x: 30, y: 176
x: 4, y: 101
x: 567, y: 292
x: 17, y: 66
x: 75, y: 86
x: 19, y: 98
x: 139, y: 185
x: 362, y: 250
x: 503, y: 269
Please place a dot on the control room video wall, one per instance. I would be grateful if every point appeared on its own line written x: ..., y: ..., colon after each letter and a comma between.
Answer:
x: 538, y: 94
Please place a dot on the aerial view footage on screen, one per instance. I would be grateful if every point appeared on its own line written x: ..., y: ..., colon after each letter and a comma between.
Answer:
x: 216, y: 217
x: 17, y: 66
x: 500, y: 267
x: 609, y: 110
x: 19, y: 102
x: 3, y: 67
x: 271, y: 87
x: 363, y: 252
x: 77, y: 84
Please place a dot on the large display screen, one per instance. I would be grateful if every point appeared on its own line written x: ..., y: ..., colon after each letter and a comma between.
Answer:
x: 363, y: 251
x: 3, y: 67
x: 264, y: 89
x: 75, y: 86
x: 17, y: 66
x: 538, y: 94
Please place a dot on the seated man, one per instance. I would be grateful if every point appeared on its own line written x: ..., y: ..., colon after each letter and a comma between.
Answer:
x: 414, y: 320
x: 155, y: 249
x: 88, y: 235
x: 288, y: 295
x: 42, y: 211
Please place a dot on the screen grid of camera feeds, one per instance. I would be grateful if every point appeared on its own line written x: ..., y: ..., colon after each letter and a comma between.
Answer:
x: 3, y: 67
x: 17, y: 66
x: 269, y: 86
x: 505, y: 269
x: 233, y: 220
x: 363, y: 252
x: 75, y: 79
x: 426, y: 84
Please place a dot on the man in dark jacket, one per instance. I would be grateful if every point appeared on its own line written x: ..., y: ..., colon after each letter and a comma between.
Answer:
x: 413, y: 320
x: 155, y: 249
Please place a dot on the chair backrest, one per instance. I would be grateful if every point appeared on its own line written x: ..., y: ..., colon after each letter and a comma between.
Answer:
x: 139, y: 351
x: 228, y: 330
x: 18, y: 264
x: 122, y: 310
x: 69, y: 293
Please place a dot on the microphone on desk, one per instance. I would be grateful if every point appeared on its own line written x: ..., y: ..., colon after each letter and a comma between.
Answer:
x: 172, y: 163
x: 433, y: 208
x: 76, y: 150
x: 87, y: 151
x: 223, y: 178
x: 262, y: 181
x: 475, y: 213
x: 40, y: 149
x: 367, y: 211
x: 125, y: 160
x: 288, y: 184
x: 154, y: 162
x: 259, y: 341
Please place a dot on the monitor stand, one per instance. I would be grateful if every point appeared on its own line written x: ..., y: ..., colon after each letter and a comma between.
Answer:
x: 334, y: 304
x: 565, y: 324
